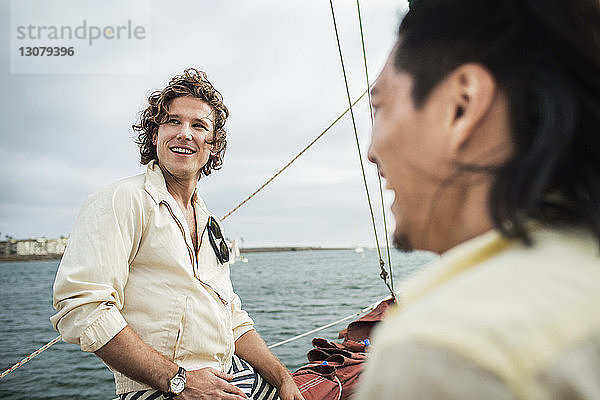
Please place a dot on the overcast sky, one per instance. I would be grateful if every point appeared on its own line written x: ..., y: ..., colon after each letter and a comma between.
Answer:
x: 67, y: 135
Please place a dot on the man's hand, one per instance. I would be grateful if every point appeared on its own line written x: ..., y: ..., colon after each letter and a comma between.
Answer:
x: 289, y: 391
x: 253, y: 349
x: 210, y: 383
x: 145, y: 364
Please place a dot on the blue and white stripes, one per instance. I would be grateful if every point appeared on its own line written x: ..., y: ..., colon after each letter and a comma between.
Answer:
x: 244, y: 377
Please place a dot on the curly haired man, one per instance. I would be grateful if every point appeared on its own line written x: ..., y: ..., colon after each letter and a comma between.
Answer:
x: 144, y: 282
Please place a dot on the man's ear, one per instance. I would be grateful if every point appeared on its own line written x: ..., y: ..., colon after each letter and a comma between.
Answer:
x: 154, y: 138
x: 472, y: 93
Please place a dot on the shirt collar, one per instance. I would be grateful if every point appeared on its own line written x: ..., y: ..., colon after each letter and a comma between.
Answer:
x: 455, y: 261
x: 156, y: 187
x: 155, y: 184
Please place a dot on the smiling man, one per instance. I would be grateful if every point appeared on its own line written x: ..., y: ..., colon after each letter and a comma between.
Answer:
x: 487, y: 130
x: 144, y: 282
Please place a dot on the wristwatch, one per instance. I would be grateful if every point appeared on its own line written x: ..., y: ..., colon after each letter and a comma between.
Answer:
x: 177, y: 383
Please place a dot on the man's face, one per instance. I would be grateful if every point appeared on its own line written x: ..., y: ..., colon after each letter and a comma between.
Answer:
x: 181, y: 142
x: 410, y: 149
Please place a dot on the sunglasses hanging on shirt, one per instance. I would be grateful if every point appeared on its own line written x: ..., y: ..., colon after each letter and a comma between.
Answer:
x: 217, y: 241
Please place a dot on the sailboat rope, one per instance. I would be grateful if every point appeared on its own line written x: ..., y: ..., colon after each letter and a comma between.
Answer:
x: 29, y: 357
x: 320, y: 328
x: 383, y: 274
x: 295, y: 158
x: 364, y: 53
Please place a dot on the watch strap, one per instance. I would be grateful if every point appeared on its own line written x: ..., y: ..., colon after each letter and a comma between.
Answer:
x: 181, y: 372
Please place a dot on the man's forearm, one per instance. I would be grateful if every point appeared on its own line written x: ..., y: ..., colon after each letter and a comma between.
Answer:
x: 128, y: 354
x: 252, y: 348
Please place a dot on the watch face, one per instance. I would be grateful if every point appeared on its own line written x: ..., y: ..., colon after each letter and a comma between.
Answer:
x: 177, y: 385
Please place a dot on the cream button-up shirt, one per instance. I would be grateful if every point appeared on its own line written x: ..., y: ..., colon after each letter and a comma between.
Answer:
x: 496, y: 320
x: 130, y: 261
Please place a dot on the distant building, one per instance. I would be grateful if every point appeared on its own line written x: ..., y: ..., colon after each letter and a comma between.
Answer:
x: 56, y: 246
x: 33, y: 247
x: 8, y: 247
x: 41, y: 246
x: 30, y: 247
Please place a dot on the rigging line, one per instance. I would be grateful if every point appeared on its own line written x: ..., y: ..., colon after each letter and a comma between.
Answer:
x: 297, y: 156
x: 383, y: 273
x: 29, y: 357
x: 364, y: 52
x: 364, y: 310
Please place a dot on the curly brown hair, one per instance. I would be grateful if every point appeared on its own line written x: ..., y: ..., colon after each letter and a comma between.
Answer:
x: 192, y: 83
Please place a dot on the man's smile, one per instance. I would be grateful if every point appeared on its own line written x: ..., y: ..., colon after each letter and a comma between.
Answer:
x: 181, y: 150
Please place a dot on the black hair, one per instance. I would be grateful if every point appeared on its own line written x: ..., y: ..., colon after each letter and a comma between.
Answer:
x: 545, y: 56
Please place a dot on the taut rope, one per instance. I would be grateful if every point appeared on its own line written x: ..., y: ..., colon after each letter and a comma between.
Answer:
x: 383, y: 274
x: 387, y: 243
x: 296, y: 157
x: 29, y: 357
x: 356, y: 314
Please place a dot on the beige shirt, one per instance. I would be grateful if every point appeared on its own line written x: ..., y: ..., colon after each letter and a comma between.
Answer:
x: 493, y: 319
x: 130, y: 261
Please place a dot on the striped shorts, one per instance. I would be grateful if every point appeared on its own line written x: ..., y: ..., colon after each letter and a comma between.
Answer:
x: 244, y: 377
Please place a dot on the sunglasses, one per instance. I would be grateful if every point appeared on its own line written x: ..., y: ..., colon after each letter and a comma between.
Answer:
x: 214, y: 236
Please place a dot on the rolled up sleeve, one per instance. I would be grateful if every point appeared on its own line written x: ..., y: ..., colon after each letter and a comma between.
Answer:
x: 241, y: 321
x: 90, y: 281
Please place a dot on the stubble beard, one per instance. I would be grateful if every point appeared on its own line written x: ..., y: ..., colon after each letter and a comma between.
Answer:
x: 401, y: 241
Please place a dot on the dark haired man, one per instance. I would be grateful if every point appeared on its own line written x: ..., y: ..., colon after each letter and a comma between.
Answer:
x: 144, y: 282
x: 487, y: 129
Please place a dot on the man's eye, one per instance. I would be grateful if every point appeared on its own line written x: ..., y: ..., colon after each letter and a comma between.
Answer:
x: 172, y: 121
x: 200, y: 126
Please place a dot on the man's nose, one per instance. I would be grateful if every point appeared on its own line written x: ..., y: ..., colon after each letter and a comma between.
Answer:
x: 371, y: 154
x: 185, y: 132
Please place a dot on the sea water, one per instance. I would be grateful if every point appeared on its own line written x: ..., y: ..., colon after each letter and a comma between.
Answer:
x: 286, y: 293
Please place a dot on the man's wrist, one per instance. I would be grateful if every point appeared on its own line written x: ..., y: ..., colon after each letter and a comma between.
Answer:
x: 283, y: 376
x: 177, y: 382
x: 167, y: 375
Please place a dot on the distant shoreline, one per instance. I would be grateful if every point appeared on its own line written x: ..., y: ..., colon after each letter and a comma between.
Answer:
x: 37, y: 257
x: 291, y: 248
x: 29, y: 257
